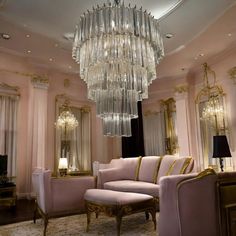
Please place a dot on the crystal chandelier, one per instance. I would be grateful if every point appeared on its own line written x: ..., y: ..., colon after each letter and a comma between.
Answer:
x: 66, y: 119
x: 117, y: 48
x: 213, y: 109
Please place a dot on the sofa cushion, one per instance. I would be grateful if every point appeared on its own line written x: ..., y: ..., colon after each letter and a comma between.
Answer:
x: 181, y: 165
x: 130, y: 167
x: 172, y: 165
x: 149, y: 168
x: 133, y: 186
x: 102, y: 197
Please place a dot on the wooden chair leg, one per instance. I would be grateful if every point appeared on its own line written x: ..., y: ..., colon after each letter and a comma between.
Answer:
x: 88, y: 220
x: 153, y: 213
x: 147, y: 215
x: 45, y: 225
x: 35, y: 212
x: 118, y: 224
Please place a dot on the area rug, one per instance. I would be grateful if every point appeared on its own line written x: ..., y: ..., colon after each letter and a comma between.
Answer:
x: 133, y: 225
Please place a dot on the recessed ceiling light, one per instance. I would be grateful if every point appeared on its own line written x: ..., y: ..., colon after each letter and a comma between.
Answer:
x: 229, y: 34
x: 169, y: 35
x: 28, y: 51
x: 201, y: 54
x: 27, y: 35
x: 50, y: 59
x: 5, y: 36
x: 70, y: 67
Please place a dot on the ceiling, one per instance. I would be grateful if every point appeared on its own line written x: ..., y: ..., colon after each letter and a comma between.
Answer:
x: 41, y: 31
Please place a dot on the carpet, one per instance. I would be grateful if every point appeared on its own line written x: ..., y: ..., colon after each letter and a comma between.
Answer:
x: 133, y: 225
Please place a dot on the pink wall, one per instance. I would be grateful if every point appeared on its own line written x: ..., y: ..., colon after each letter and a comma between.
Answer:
x: 165, y: 88
x: 221, y: 66
x: 15, y: 71
x: 105, y: 148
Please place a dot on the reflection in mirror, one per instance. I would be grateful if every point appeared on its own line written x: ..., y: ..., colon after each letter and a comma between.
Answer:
x: 73, y: 136
x: 211, y: 118
x: 168, y: 107
x: 160, y: 135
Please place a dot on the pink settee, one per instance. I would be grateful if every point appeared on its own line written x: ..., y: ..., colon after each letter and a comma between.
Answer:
x: 142, y: 174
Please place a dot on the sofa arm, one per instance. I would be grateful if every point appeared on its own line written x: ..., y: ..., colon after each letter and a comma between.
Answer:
x: 107, y: 175
x: 189, y: 205
x: 168, y: 204
x: 68, y: 193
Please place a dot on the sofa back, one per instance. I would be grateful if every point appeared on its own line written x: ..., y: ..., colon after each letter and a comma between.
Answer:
x: 173, y: 165
x: 149, y: 168
x: 129, y: 167
x: 41, y: 182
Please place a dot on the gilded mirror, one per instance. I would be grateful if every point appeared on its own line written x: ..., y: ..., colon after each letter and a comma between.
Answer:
x: 211, y: 118
x: 160, y: 134
x: 73, y: 136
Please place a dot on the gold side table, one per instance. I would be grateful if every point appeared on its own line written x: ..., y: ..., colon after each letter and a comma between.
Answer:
x: 8, y: 194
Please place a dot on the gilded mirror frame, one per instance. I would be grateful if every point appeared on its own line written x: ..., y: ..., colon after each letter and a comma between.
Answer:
x: 81, y: 141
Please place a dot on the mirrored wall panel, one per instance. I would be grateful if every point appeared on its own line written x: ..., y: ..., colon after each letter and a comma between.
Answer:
x: 160, y: 134
x: 73, y: 137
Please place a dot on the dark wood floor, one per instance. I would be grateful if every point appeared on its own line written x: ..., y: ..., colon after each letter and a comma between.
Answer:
x: 23, y: 211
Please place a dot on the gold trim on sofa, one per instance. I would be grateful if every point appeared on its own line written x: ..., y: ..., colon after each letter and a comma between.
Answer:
x: 185, y: 165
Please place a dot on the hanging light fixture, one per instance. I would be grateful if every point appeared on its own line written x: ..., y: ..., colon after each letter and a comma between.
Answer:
x: 66, y: 120
x: 212, y: 95
x: 117, y: 48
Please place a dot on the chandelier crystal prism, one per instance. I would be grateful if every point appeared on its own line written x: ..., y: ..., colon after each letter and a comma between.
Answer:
x: 66, y: 119
x: 117, y: 48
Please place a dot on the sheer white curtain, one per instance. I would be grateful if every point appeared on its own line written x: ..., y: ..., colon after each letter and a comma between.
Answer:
x: 154, y: 133
x: 81, y: 140
x: 8, y: 130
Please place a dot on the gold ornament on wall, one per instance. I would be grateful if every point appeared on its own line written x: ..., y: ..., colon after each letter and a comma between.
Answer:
x: 232, y: 74
x: 66, y: 83
x: 171, y: 141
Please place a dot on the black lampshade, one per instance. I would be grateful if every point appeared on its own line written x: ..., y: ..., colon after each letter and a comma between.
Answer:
x: 220, y: 146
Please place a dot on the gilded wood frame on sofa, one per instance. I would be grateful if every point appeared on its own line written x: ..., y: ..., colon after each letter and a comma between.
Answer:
x: 200, y: 176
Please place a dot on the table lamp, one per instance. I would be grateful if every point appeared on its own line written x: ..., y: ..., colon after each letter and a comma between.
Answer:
x: 221, y: 149
x: 63, y: 165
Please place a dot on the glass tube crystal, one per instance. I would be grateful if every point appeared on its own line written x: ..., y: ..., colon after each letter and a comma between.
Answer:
x: 118, y: 48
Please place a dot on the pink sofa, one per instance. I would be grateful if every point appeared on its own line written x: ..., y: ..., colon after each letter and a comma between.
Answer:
x: 59, y: 196
x: 198, y: 204
x: 142, y: 174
